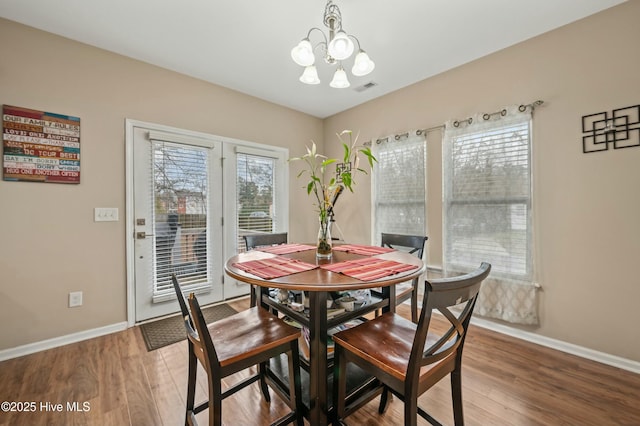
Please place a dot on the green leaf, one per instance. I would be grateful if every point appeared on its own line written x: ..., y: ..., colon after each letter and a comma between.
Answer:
x: 346, y: 180
x: 370, y: 158
x: 347, y: 153
x: 309, y: 187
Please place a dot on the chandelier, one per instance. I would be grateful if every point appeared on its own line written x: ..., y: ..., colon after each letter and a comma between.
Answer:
x: 334, y: 49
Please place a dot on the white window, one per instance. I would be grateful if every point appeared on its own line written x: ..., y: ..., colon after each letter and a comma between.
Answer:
x: 399, y: 181
x: 487, y: 205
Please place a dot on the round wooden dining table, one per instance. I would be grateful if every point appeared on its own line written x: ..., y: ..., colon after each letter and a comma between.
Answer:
x: 318, y: 283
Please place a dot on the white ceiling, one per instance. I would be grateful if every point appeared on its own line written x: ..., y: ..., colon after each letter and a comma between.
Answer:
x: 245, y: 44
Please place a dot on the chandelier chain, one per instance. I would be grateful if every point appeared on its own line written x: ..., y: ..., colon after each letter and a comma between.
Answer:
x: 332, y: 16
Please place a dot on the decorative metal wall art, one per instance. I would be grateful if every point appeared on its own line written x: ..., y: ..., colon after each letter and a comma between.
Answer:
x: 340, y: 169
x: 620, y: 129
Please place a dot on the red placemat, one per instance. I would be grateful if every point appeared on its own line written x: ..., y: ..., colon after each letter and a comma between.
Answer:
x: 274, y: 267
x: 363, y: 250
x: 369, y: 269
x: 285, y: 248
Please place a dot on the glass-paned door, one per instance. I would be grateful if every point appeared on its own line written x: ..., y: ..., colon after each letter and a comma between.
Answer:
x: 178, y: 209
x: 260, y: 194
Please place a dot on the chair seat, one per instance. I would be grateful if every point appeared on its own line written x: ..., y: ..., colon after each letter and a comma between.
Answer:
x: 247, y: 333
x: 391, y: 349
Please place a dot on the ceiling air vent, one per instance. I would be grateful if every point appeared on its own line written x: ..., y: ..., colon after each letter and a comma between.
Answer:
x: 365, y: 86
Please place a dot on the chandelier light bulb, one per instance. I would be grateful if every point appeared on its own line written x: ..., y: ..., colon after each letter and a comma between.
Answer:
x: 340, y: 80
x: 302, y: 54
x: 362, y: 64
x: 310, y: 75
x: 341, y: 47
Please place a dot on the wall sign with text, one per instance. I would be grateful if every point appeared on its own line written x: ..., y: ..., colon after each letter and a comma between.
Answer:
x: 40, y: 146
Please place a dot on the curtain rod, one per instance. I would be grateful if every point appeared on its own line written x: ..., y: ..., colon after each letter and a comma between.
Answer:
x: 405, y: 135
x: 457, y: 123
x: 502, y: 113
x: 429, y: 129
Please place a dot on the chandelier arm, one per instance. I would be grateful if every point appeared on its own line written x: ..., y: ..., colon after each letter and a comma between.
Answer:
x: 321, y: 32
x: 322, y: 45
x: 356, y: 39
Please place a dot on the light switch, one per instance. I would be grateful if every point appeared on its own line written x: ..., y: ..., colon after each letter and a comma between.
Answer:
x: 105, y: 214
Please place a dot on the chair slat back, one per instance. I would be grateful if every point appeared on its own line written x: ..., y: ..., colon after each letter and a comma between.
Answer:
x: 443, y: 294
x: 189, y: 325
x: 415, y: 243
x: 179, y: 295
x: 202, y: 342
x: 186, y: 315
x: 252, y: 241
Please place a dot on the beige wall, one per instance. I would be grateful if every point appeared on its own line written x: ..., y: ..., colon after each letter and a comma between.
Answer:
x: 587, y: 206
x: 49, y: 242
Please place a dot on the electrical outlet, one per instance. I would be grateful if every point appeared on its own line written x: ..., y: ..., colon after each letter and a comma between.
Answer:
x: 75, y: 299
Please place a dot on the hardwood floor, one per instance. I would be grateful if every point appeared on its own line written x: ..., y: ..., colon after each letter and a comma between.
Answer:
x: 505, y: 382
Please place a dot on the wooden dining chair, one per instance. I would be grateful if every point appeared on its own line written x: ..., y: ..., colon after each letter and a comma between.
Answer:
x: 238, y: 342
x: 193, y: 359
x: 251, y: 241
x: 409, y: 358
x: 246, y: 339
x: 413, y: 244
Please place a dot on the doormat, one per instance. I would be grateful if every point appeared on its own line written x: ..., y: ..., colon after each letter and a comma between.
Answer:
x: 170, y: 330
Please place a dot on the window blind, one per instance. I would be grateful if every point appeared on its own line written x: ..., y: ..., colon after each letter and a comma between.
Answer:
x: 487, y: 171
x: 256, y: 195
x: 399, y: 181
x: 180, y: 193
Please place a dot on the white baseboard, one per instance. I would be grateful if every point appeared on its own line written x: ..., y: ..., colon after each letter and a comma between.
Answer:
x: 601, y: 357
x: 570, y: 348
x: 60, y: 341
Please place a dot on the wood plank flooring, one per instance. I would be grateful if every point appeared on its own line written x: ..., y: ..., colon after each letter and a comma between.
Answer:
x: 117, y: 382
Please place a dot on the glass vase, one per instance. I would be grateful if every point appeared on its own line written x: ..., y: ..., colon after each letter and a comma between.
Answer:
x: 324, y: 247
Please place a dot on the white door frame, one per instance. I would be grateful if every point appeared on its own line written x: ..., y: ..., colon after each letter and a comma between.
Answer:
x: 130, y: 124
